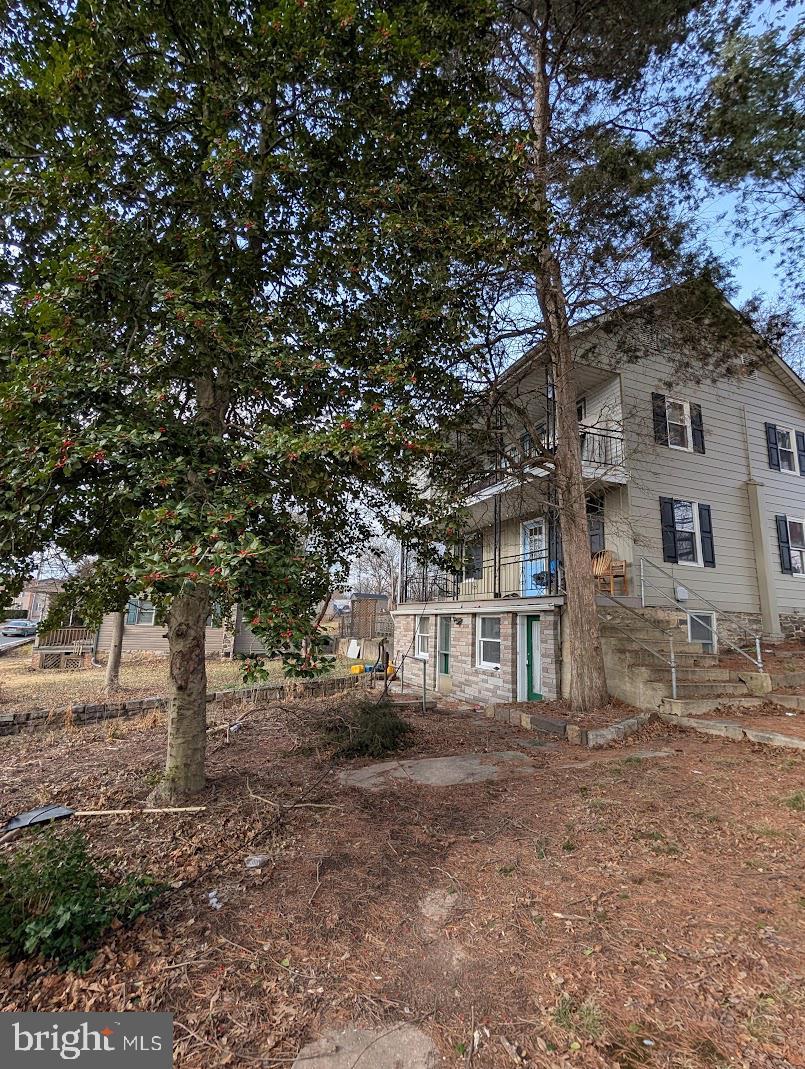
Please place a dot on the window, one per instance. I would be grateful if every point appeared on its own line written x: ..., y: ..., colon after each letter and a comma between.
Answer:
x: 687, y: 536
x: 140, y: 612
x: 474, y: 558
x: 677, y: 414
x: 702, y: 627
x: 796, y: 537
x: 488, y: 642
x: 595, y: 522
x: 785, y: 445
x: 678, y: 424
x: 791, y: 540
x: 581, y: 408
x: 423, y: 638
x: 786, y: 449
x: 687, y: 532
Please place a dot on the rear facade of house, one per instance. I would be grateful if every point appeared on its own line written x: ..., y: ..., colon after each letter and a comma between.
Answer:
x: 697, y: 490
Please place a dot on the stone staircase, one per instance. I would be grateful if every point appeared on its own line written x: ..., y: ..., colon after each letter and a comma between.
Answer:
x: 636, y: 655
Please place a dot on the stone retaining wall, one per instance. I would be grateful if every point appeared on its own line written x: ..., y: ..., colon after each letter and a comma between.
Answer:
x: 32, y: 719
x: 523, y: 715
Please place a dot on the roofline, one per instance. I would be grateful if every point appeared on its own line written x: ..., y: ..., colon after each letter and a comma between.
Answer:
x: 521, y: 365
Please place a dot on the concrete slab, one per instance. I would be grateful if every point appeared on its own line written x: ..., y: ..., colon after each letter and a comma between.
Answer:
x: 731, y: 729
x: 398, y: 1046
x: 440, y: 771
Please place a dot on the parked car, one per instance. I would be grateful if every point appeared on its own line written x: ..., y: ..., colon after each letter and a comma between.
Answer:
x: 19, y: 628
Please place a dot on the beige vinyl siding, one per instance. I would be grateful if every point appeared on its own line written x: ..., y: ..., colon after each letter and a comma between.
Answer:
x: 767, y: 398
x: 143, y: 637
x: 717, y: 478
x: 617, y: 527
x: 603, y: 407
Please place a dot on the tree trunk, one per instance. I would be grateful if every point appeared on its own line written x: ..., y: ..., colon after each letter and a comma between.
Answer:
x: 187, y: 715
x: 588, y: 687
x: 112, y: 682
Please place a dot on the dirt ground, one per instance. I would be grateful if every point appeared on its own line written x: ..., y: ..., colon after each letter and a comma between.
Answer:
x: 142, y: 675
x: 604, y: 909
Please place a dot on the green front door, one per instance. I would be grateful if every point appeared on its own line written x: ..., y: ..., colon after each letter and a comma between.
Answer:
x: 533, y: 664
x: 443, y: 681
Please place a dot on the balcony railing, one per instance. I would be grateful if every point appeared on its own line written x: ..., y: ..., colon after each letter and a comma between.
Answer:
x: 603, y: 448
x: 521, y: 576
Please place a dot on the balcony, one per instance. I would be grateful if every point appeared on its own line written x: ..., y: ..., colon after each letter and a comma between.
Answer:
x: 601, y: 459
x: 519, y: 576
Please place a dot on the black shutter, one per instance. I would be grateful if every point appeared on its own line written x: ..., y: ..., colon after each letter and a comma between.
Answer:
x: 784, y: 544
x: 697, y: 428
x: 660, y: 418
x: 801, y: 451
x: 706, y: 534
x: 773, y: 448
x: 669, y: 553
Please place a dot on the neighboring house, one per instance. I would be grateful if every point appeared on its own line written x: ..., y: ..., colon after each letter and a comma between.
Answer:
x: 699, y: 490
x: 34, y: 600
x: 142, y: 632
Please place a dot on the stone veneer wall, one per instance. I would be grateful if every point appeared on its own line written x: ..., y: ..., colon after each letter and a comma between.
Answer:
x: 484, y: 686
x: 792, y: 624
x: 31, y: 719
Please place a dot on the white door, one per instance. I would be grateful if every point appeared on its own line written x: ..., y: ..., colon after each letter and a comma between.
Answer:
x: 535, y: 559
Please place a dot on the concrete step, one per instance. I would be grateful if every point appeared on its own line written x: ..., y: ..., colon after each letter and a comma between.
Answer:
x: 705, y: 690
x: 661, y: 646
x: 701, y: 706
x: 686, y: 674
x: 645, y: 635
x: 686, y: 705
x: 640, y: 659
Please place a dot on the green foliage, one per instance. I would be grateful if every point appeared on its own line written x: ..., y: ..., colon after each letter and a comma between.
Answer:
x: 57, y: 901
x: 796, y: 801
x: 371, y: 729
x: 241, y: 260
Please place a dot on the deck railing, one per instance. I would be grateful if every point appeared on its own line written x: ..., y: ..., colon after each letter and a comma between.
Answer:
x: 65, y: 638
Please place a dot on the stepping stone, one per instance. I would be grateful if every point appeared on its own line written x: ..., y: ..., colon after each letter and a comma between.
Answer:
x: 397, y: 1046
x: 437, y: 905
x: 440, y: 771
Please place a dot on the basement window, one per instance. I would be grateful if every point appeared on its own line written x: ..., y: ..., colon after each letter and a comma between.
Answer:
x: 488, y: 651
x: 423, y: 638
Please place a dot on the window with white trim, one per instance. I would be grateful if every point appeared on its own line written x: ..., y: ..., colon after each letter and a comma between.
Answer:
x: 688, y: 546
x: 677, y: 414
x: 796, y: 539
x: 488, y: 643
x: 423, y: 638
x: 788, y: 455
x: 140, y: 612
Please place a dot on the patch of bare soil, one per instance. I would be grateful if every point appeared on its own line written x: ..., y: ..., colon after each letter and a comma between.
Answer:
x: 609, y: 910
x: 788, y: 656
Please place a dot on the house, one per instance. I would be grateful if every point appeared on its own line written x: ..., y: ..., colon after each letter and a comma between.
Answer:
x: 73, y: 645
x: 34, y: 599
x: 697, y: 488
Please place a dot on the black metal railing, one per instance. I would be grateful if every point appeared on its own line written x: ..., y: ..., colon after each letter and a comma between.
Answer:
x: 518, y: 576
x: 602, y: 448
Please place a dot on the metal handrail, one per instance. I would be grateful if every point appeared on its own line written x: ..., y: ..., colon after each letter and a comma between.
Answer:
x: 757, y: 660
x: 671, y: 661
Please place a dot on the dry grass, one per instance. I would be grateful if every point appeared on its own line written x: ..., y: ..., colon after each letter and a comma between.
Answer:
x: 669, y: 935
x: 142, y: 675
